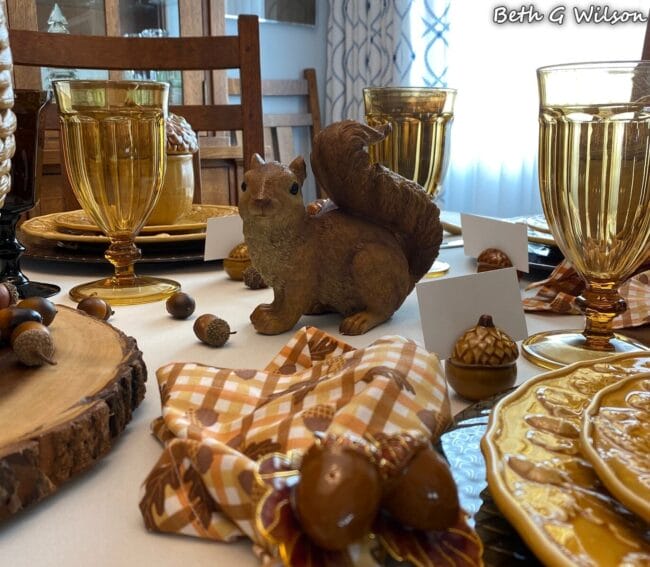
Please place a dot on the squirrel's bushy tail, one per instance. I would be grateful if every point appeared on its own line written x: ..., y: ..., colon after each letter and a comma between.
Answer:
x: 342, y: 167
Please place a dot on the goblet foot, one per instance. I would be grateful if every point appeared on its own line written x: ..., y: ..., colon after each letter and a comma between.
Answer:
x: 141, y: 289
x: 555, y: 349
x: 38, y: 289
x: 437, y: 269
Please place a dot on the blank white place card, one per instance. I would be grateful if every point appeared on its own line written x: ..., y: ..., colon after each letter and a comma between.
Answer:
x: 480, y: 233
x: 449, y: 306
x: 221, y: 236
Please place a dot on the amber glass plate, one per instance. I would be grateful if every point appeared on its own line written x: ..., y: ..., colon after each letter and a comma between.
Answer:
x: 49, y: 228
x: 542, y: 481
x: 193, y: 221
x: 616, y: 439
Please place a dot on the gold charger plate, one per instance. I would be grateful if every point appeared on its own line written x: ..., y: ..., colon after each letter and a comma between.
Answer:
x: 451, y: 223
x: 47, y: 227
x: 616, y: 438
x: 193, y: 221
x: 541, y: 480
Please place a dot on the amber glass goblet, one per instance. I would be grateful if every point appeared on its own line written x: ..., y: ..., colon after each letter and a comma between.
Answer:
x: 418, y: 146
x: 594, y: 176
x: 113, y: 142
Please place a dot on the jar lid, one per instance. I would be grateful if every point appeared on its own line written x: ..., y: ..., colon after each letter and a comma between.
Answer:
x: 181, y: 139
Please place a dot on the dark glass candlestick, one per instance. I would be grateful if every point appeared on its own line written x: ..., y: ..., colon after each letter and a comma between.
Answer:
x: 26, y: 169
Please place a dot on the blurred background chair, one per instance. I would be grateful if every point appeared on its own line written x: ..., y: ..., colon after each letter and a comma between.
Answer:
x: 127, y: 54
x: 291, y: 120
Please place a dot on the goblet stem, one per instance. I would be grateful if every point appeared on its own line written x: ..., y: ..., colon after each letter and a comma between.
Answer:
x: 600, y: 302
x: 123, y: 253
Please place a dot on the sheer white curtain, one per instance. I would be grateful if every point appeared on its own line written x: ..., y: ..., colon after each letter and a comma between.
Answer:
x: 382, y: 43
x: 493, y: 159
x: 456, y: 43
x: 362, y: 42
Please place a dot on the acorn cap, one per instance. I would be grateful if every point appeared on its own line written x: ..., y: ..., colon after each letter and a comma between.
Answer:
x: 493, y: 258
x: 181, y: 139
x: 485, y: 345
x: 253, y: 279
x: 239, y: 252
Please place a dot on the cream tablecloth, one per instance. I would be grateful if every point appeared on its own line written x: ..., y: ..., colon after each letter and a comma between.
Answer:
x: 94, y: 519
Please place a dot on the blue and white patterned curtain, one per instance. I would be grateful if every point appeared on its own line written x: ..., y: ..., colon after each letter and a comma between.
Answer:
x: 381, y: 43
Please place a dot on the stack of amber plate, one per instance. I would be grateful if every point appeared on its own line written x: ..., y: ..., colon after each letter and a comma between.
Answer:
x: 72, y: 236
x: 568, y: 462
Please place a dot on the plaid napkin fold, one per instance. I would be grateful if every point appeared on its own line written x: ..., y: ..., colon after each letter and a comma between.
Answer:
x: 559, y: 291
x: 218, y: 425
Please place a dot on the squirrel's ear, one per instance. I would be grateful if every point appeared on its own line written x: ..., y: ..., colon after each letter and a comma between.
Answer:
x: 256, y: 161
x: 299, y: 169
x: 376, y: 134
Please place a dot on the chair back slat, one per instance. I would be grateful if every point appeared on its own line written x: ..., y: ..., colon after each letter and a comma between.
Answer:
x: 191, y: 55
x: 42, y: 49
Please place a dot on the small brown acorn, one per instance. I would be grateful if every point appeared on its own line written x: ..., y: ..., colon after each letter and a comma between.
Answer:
x: 338, y: 495
x: 492, y: 259
x: 423, y: 495
x: 11, y: 317
x: 253, y: 279
x: 180, y: 305
x: 44, y: 306
x: 32, y: 343
x: 13, y: 293
x: 212, y: 331
x: 5, y: 297
x: 96, y: 307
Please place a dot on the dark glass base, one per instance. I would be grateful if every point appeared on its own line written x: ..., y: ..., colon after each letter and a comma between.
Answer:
x: 38, y: 289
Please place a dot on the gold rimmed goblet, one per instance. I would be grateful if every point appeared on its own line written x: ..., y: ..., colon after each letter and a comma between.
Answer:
x: 418, y: 146
x: 113, y: 142
x: 594, y: 176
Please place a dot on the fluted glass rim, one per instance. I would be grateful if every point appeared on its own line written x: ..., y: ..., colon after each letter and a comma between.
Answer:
x: 155, y: 85
x: 412, y: 90
x: 593, y: 65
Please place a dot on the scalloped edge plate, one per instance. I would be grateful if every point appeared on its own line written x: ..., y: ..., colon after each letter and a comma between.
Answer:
x: 46, y: 227
x: 193, y: 221
x: 631, y: 492
x: 503, y: 418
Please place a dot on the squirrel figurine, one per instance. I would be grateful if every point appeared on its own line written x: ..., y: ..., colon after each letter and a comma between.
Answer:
x: 359, y: 256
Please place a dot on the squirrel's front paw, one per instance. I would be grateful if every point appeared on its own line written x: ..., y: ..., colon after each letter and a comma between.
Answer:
x: 269, y: 322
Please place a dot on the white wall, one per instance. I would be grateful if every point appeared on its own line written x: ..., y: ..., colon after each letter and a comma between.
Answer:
x: 287, y: 49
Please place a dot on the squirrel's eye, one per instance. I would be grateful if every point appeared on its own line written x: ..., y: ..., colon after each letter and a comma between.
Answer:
x: 294, y: 189
x: 243, y: 186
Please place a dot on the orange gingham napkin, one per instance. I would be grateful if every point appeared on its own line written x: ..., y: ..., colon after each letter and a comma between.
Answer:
x: 558, y: 294
x: 216, y: 422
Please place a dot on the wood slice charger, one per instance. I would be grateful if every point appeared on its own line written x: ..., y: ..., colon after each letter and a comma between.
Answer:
x: 57, y: 421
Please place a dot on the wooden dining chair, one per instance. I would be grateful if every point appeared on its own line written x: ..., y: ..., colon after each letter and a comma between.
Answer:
x: 286, y: 133
x: 207, y: 53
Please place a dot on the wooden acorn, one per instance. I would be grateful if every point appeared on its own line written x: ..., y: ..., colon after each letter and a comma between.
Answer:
x: 32, y: 343
x: 492, y: 259
x: 212, y: 330
x: 44, y: 306
x: 483, y: 362
x: 421, y: 493
x: 338, y: 495
x: 11, y: 317
x: 7, y: 289
x: 96, y: 307
x: 253, y: 279
x: 180, y: 305
x: 237, y: 261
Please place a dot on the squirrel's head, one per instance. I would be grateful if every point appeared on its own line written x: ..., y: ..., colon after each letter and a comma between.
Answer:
x: 272, y: 190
